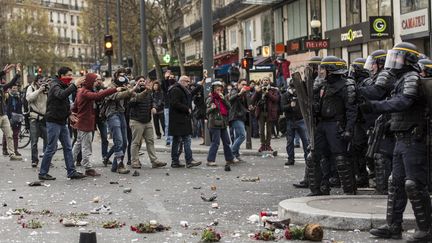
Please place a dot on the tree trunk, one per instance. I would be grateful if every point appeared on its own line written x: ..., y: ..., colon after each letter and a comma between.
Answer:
x: 155, y: 58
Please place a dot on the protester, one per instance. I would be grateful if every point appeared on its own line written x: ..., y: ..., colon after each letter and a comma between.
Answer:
x: 37, y: 95
x: 158, y: 117
x: 83, y: 109
x: 15, y: 114
x: 180, y: 125
x: 218, y: 115
x: 141, y: 108
x: 57, y: 114
x: 166, y: 84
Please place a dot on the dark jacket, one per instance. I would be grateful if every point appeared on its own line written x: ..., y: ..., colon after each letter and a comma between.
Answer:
x: 84, y: 105
x: 239, y: 105
x: 180, y: 123
x: 159, y: 101
x: 291, y: 113
x: 165, y: 85
x: 269, y: 103
x: 4, y: 88
x: 213, y: 112
x: 14, y: 105
x: 140, y: 107
x: 58, y: 104
x: 199, y: 111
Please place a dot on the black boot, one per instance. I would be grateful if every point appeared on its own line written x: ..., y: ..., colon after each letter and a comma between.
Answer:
x: 346, y: 175
x: 305, y: 182
x: 421, y: 205
x: 314, y: 176
x: 387, y: 231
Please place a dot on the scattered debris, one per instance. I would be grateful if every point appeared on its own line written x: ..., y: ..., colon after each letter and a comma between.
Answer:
x: 278, y: 224
x: 210, y: 235
x: 73, y: 202
x: 73, y: 222
x: 254, y: 218
x: 114, y: 182
x: 249, y: 179
x: 312, y: 232
x: 215, y: 205
x: 35, y: 183
x: 136, y: 173
x: 112, y: 224
x: 4, y: 204
x: 294, y: 233
x: 18, y: 211
x: 196, y: 187
x: 101, y: 210
x: 209, y: 199
x: 167, y: 174
x: 214, y: 223
x: 158, y: 190
x: 184, y: 224
x: 150, y: 227
x: 96, y: 199
x: 127, y: 190
x: 32, y: 224
x: 265, y: 235
x: 213, y: 187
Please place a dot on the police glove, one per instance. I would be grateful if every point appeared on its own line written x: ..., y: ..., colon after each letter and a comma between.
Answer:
x: 366, y: 107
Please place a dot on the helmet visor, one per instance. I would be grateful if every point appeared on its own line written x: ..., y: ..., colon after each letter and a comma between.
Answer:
x: 369, y: 62
x: 395, y: 59
x: 351, y: 71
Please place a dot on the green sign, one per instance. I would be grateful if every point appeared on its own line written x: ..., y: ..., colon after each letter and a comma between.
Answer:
x: 381, y: 27
x: 167, y: 58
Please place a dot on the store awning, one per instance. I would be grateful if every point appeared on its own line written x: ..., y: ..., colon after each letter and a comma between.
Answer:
x: 262, y: 60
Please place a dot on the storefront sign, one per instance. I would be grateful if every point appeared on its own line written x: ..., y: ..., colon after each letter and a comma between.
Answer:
x: 316, y: 44
x: 351, y: 35
x: 414, y: 22
x: 293, y: 46
x: 266, y: 51
x: 381, y: 27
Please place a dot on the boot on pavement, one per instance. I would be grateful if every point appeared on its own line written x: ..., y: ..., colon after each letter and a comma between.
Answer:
x: 158, y: 164
x: 386, y: 231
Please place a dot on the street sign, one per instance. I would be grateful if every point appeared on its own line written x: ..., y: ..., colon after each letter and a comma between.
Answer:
x: 266, y: 51
x: 316, y: 44
x: 167, y: 58
x: 280, y: 48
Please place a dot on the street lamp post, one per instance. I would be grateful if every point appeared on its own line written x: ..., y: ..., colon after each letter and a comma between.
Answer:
x: 315, y: 26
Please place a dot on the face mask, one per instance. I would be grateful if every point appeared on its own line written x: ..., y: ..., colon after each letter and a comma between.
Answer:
x: 66, y: 80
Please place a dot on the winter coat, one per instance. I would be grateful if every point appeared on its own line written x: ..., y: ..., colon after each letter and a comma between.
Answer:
x: 116, y: 103
x: 212, y: 113
x: 84, y: 105
x: 14, y: 109
x: 4, y: 88
x: 291, y: 113
x: 239, y: 105
x: 158, y: 100
x: 180, y: 119
x: 283, y: 69
x: 269, y: 104
x: 37, y: 101
x: 58, y: 103
x: 140, y: 107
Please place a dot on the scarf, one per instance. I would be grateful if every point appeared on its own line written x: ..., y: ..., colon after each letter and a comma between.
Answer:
x: 219, y: 104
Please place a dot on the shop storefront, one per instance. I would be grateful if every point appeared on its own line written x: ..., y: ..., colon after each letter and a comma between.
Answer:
x: 414, y: 28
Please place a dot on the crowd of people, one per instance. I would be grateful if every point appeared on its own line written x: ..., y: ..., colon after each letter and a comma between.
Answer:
x: 368, y: 121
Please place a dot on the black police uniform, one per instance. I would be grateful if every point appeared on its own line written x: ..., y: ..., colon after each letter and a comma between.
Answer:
x: 336, y: 118
x: 407, y: 106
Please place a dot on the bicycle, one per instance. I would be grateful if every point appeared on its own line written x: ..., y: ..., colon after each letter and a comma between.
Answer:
x: 23, y: 137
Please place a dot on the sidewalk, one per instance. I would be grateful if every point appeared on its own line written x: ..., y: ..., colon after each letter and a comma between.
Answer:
x: 278, y: 145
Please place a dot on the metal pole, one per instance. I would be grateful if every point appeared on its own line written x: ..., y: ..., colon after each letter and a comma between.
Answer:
x: 119, y: 31
x: 107, y: 32
x: 207, y: 30
x: 249, y: 117
x: 144, y: 70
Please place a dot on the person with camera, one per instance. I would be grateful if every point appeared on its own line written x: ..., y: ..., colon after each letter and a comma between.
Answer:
x: 266, y: 100
x: 57, y: 114
x: 141, y: 108
x: 239, y: 114
x: 218, y: 115
x: 113, y: 109
x: 36, y: 96
x: 294, y: 122
x: 83, y: 109
x: 5, y: 125
x: 166, y: 84
x: 15, y: 113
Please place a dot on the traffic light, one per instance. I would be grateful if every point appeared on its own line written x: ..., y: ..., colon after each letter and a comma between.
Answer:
x: 108, y: 40
x: 247, y: 63
x: 38, y: 71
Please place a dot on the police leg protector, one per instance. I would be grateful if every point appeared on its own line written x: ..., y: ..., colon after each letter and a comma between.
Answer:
x: 381, y: 173
x: 421, y: 205
x: 314, y: 174
x: 396, y: 202
x: 346, y: 174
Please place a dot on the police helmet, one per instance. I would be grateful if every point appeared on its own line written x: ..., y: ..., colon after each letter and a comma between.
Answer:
x: 402, y: 54
x: 357, y: 66
x: 333, y: 65
x: 316, y: 60
x: 376, y: 57
x: 426, y: 66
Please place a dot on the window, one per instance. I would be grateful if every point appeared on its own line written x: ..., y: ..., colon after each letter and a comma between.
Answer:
x: 58, y: 17
x: 278, y: 25
x: 51, y: 17
x: 334, y: 52
x: 78, y: 37
x: 59, y: 32
x: 73, y: 52
x: 297, y: 20
x: 248, y: 36
x: 353, y: 13
x: 77, y: 20
x: 233, y: 39
x: 254, y: 30
x: 64, y: 18
x: 266, y: 29
x: 72, y: 20
x: 381, y: 44
x: 332, y: 14
x: 378, y: 8
x: 353, y: 55
x: 65, y: 32
x: 412, y: 5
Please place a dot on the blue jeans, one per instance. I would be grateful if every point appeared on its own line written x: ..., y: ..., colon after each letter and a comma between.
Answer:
x: 239, y: 137
x: 57, y: 132
x: 216, y: 134
x: 117, y: 126
x: 102, y: 126
x: 175, y: 150
x: 293, y: 127
x: 169, y: 139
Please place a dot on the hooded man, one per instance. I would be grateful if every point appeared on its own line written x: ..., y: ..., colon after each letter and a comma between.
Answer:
x: 84, y: 110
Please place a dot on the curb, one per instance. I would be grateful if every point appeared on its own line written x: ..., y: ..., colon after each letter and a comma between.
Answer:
x: 301, y: 212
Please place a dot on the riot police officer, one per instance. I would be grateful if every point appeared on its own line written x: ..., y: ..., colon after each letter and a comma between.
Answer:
x: 359, y: 143
x: 426, y: 67
x: 407, y: 106
x: 336, y: 117
x: 381, y: 145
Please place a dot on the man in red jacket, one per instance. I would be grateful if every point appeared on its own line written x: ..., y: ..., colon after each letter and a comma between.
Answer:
x: 84, y: 111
